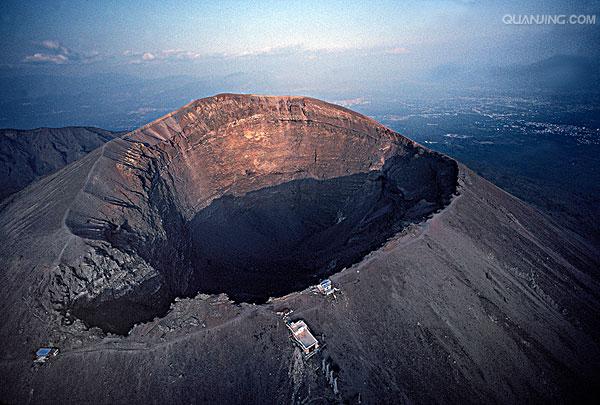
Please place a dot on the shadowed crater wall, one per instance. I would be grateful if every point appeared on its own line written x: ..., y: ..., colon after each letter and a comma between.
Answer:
x: 284, y: 238
x: 278, y: 239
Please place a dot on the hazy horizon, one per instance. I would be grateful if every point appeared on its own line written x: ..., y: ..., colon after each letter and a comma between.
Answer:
x: 120, y: 64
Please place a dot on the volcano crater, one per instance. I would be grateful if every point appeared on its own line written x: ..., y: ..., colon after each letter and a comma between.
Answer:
x: 269, y: 233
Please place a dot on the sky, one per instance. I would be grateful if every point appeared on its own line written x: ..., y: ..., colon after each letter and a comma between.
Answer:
x: 332, y: 49
x: 173, y: 37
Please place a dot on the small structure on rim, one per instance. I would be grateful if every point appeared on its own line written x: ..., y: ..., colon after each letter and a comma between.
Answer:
x: 326, y: 287
x: 301, y: 334
x: 44, y: 353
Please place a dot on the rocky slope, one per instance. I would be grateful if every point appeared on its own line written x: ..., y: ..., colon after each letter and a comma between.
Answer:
x: 27, y: 155
x: 451, y: 290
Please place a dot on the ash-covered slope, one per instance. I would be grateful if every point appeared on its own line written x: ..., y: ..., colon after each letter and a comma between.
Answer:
x: 452, y: 290
x: 27, y: 155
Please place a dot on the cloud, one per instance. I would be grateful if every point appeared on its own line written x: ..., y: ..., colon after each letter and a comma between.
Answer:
x: 57, y: 47
x: 352, y: 102
x: 181, y: 55
x: 166, y: 55
x: 310, y: 53
x: 45, y: 58
x: 148, y: 56
x: 268, y: 51
x: 50, y: 44
x: 53, y: 52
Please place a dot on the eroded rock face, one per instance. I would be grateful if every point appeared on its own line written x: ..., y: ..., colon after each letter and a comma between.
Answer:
x: 247, y: 195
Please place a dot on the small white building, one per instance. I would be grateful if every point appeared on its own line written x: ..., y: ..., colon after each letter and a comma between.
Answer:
x: 326, y: 287
x: 44, y: 353
x: 303, y: 337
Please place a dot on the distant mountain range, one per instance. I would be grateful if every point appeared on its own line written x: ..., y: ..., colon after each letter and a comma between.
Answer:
x: 562, y: 74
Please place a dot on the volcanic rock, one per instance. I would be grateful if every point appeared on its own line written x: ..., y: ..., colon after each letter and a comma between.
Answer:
x: 160, y: 261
